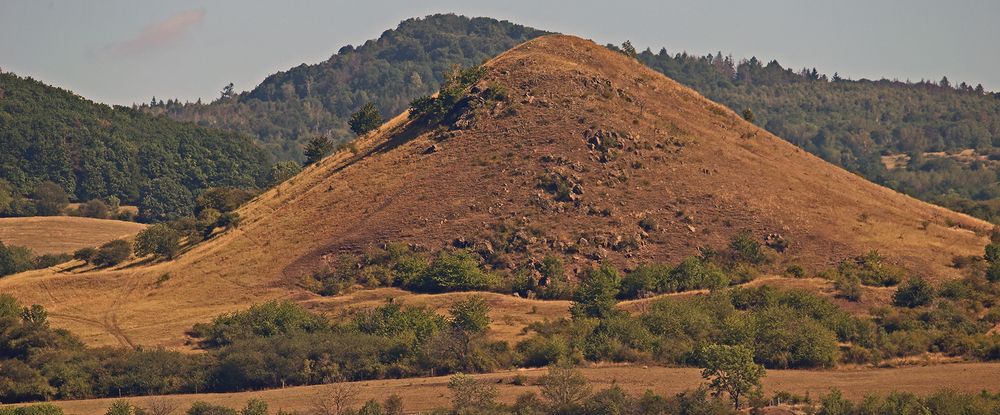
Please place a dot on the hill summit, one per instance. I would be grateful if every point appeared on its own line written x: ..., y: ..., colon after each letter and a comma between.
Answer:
x: 557, y: 147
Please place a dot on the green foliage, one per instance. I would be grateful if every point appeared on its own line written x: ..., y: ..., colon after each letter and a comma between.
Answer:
x: 745, y: 248
x: 407, y: 62
x: 731, y: 370
x: 112, y: 253
x: 595, y: 297
x: 434, y: 108
x: 50, y: 199
x: 93, y: 151
x: 272, y: 318
x: 159, y: 240
x: 834, y: 403
x: 317, y: 148
x: 85, y: 254
x: 916, y: 292
x: 222, y: 199
x: 628, y: 50
x: 453, y: 271
x: 393, y: 320
x: 254, y: 407
x: 872, y: 269
x: 283, y: 170
x: 204, y: 408
x: 165, y: 199
x: 121, y: 407
x: 365, y: 119
x: 748, y: 115
x: 470, y: 315
x: 15, y: 259
x: 848, y: 287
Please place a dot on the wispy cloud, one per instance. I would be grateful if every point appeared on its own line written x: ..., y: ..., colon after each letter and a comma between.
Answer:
x: 159, y: 34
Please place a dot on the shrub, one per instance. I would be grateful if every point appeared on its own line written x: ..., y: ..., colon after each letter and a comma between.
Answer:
x: 916, y: 292
x: 470, y: 395
x: 15, y: 259
x: 745, y: 248
x: 112, y: 253
x: 871, y: 269
x: 159, y: 240
x: 50, y: 260
x: 85, y: 254
x: 564, y: 388
x: 848, y: 287
x: 795, y: 270
x: 204, y: 408
x: 366, y: 119
x: 95, y: 208
x: 453, y: 271
x: 262, y: 320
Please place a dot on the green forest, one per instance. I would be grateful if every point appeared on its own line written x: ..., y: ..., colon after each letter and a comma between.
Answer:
x: 93, y: 151
x: 290, y: 107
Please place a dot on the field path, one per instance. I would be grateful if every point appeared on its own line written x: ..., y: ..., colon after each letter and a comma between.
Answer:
x: 422, y: 394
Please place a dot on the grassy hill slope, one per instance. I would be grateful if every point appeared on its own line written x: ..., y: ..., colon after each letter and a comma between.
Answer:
x: 637, y: 145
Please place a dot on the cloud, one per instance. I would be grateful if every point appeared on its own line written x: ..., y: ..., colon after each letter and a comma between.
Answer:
x: 158, y: 35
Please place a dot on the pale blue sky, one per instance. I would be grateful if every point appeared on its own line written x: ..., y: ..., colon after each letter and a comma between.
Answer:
x: 125, y: 51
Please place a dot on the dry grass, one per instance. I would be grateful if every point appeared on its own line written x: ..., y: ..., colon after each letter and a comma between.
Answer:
x: 695, y: 167
x: 63, y: 234
x: 423, y: 394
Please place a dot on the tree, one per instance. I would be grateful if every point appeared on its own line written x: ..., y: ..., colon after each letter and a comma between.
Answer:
x: 366, y: 119
x: 112, y: 253
x: 50, y: 199
x: 748, y: 115
x: 471, y: 396
x: 629, y: 50
x: 282, y: 171
x: 916, y: 292
x: 254, y: 407
x: 164, y: 199
x: 596, y: 295
x: 227, y: 91
x: 159, y: 240
x: 121, y: 407
x: 565, y: 388
x: 317, y: 148
x: 470, y: 315
x: 731, y: 370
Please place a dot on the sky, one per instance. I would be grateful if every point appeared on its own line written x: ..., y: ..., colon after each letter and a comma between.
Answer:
x: 127, y: 51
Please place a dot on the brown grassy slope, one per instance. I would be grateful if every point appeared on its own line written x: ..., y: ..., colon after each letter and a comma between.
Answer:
x: 424, y: 394
x: 63, y: 234
x: 695, y: 167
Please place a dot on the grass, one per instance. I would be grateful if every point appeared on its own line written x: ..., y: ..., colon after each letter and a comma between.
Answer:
x: 63, y: 234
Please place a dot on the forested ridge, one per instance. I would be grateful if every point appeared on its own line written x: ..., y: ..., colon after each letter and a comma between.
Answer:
x: 290, y: 107
x: 94, y: 151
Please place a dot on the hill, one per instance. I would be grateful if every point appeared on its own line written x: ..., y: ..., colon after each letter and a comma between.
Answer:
x: 63, y: 234
x: 96, y: 151
x: 851, y: 123
x: 411, y: 60
x: 562, y: 148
